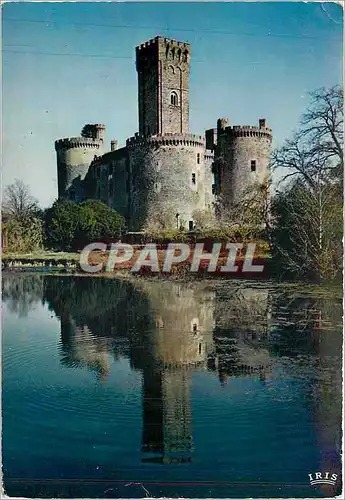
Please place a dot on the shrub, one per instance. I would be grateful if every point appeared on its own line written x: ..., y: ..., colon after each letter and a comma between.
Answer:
x: 70, y: 226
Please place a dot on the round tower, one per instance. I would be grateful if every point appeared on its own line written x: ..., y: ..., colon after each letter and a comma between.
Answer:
x: 242, y: 156
x: 74, y: 156
x: 171, y: 183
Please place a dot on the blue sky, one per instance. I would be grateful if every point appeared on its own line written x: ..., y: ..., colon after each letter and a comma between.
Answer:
x: 67, y: 64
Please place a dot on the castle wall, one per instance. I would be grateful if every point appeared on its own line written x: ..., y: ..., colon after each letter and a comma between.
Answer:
x: 74, y: 156
x: 147, y: 68
x: 242, y: 160
x: 108, y: 180
x: 168, y: 177
x: 165, y: 178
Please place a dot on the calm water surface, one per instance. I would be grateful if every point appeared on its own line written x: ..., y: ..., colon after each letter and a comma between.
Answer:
x: 152, y: 388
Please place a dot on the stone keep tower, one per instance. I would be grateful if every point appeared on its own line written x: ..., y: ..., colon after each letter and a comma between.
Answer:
x: 163, y: 86
x: 74, y: 156
x: 170, y: 181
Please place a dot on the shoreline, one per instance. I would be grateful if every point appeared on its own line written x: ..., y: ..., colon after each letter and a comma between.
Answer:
x: 300, y: 288
x: 67, y: 264
x: 71, y: 262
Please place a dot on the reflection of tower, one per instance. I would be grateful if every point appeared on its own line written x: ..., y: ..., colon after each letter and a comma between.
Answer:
x: 240, y: 335
x: 81, y: 348
x: 176, y: 344
x: 167, y: 414
x: 95, y: 319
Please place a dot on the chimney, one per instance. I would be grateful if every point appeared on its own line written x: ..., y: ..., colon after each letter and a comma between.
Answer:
x: 113, y: 145
x: 222, y: 123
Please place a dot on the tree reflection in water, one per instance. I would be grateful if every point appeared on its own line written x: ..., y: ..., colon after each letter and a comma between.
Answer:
x: 169, y: 330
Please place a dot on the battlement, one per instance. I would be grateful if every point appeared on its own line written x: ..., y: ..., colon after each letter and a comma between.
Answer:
x: 209, y: 155
x: 160, y: 40
x: 77, y: 142
x: 248, y: 131
x: 166, y: 140
x: 114, y: 154
x: 240, y: 130
x: 161, y: 48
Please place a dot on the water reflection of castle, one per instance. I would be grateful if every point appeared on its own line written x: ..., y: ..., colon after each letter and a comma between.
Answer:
x: 168, y: 331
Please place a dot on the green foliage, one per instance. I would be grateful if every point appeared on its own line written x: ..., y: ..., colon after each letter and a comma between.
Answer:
x: 88, y: 131
x: 61, y: 225
x: 235, y: 233
x: 70, y: 226
x: 98, y: 222
x: 23, y: 233
x: 166, y: 235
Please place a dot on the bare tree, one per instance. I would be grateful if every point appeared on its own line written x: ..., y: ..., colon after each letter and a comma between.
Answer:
x: 315, y: 152
x: 18, y: 201
x: 252, y: 211
x: 307, y: 237
x: 323, y: 125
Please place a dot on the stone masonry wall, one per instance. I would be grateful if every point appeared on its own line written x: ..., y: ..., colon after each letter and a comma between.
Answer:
x: 174, y: 60
x: 73, y: 160
x: 168, y: 177
x: 237, y: 148
x: 163, y: 86
x: 108, y: 180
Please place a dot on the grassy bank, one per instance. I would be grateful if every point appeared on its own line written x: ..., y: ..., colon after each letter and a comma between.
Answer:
x: 71, y: 261
x: 43, y: 255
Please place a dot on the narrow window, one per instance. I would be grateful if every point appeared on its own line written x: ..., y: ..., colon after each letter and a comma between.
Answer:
x: 195, y: 327
x: 199, y: 348
x: 191, y: 225
x: 253, y: 165
x: 193, y: 178
x: 198, y: 158
x: 173, y: 99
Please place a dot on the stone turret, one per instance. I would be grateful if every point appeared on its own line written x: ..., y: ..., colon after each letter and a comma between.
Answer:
x: 74, y: 155
x: 242, y: 155
x: 169, y: 176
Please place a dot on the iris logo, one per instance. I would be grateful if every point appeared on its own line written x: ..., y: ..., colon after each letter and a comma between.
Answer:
x: 322, y: 478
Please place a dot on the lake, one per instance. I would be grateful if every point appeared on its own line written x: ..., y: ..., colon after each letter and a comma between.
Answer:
x: 127, y: 389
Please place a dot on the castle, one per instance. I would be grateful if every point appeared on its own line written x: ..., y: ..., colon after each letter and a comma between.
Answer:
x: 165, y: 177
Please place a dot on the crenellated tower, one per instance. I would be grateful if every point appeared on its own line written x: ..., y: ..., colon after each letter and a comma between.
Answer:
x: 241, y: 159
x: 163, y: 86
x: 74, y: 156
